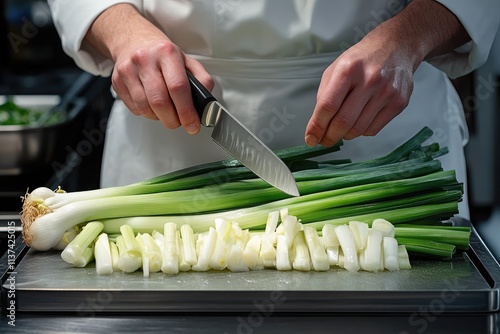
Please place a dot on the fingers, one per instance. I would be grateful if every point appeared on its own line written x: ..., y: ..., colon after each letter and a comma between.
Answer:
x: 129, y: 88
x: 357, y: 97
x: 330, y: 97
x: 152, y: 82
x: 346, y: 117
x: 366, y: 117
x: 177, y: 83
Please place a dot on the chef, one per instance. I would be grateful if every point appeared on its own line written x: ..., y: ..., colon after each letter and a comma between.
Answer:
x: 293, y: 71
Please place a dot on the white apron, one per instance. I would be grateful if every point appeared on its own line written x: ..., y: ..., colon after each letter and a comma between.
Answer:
x: 270, y: 84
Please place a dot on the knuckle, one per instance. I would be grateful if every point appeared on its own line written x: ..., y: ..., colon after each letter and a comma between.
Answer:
x: 346, y: 63
x: 141, y: 105
x: 157, y: 102
x: 140, y: 56
x: 347, y: 66
x: 345, y: 70
x: 343, y: 122
x: 167, y: 48
x: 355, y: 132
x: 316, y: 126
x: 373, y: 76
x: 177, y: 86
x: 328, y: 104
x: 123, y: 69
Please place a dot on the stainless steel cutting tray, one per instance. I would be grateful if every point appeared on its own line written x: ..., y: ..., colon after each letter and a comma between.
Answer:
x: 467, y: 283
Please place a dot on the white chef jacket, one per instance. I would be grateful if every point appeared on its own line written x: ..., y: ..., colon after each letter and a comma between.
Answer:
x: 267, y: 58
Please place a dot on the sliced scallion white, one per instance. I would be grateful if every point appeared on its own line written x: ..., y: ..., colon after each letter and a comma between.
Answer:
x: 235, y: 262
x: 73, y: 252
x: 317, y: 251
x: 403, y: 258
x: 301, y: 259
x: 170, y: 263
x: 282, y: 254
x: 129, y: 250
x: 372, y: 253
x: 251, y: 253
x: 348, y: 245
x: 102, y: 255
x: 390, y: 246
x: 188, y: 244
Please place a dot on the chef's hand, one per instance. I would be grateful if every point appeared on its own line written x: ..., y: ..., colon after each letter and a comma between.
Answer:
x: 371, y: 83
x: 150, y: 78
x: 364, y: 89
x: 149, y: 74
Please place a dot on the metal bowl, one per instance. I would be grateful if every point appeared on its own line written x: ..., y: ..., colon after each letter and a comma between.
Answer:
x: 25, y: 149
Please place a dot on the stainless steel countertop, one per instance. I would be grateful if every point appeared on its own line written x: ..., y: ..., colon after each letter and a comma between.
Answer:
x: 259, y: 318
x: 428, y: 323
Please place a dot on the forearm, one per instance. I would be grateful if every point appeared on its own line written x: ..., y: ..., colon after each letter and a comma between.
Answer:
x: 424, y: 29
x: 116, y: 27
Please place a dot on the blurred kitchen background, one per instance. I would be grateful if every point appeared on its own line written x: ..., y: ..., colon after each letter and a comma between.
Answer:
x: 35, y: 70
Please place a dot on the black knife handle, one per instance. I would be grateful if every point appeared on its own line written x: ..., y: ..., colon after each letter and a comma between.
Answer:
x: 201, y: 95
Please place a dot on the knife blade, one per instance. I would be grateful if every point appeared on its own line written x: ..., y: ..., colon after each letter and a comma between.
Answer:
x: 240, y: 142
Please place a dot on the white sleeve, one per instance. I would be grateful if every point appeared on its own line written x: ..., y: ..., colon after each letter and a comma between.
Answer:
x: 72, y: 19
x: 480, y: 19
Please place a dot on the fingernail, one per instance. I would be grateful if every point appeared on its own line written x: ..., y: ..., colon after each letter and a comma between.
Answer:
x: 192, y: 129
x: 311, y: 140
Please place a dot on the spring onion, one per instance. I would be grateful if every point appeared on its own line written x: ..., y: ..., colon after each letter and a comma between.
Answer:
x: 384, y: 226
x: 348, y: 246
x: 301, y: 256
x: 150, y: 254
x: 373, y: 250
x: 251, y: 254
x: 227, y: 246
x: 317, y: 251
x: 129, y: 250
x: 403, y: 258
x: 206, y: 251
x: 227, y: 186
x: 188, y: 244
x: 115, y: 255
x: 102, y: 254
x: 390, y: 253
x: 86, y: 258
x: 360, y: 233
x: 74, y: 252
x: 282, y: 254
x: 170, y: 264
x: 235, y: 262
x: 357, y: 215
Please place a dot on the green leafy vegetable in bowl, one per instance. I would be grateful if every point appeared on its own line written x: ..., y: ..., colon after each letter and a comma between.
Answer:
x: 13, y: 114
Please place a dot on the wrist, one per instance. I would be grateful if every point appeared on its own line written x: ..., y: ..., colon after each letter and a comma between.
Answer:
x: 118, y: 27
x: 424, y: 29
x: 399, y: 43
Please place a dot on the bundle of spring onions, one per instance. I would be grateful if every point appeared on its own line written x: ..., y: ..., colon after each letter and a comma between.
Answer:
x: 407, y: 187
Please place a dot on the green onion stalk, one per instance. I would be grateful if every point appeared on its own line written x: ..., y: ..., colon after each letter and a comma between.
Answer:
x: 406, y: 185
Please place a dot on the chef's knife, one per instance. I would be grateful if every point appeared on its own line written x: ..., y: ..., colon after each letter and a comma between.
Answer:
x: 239, y: 142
